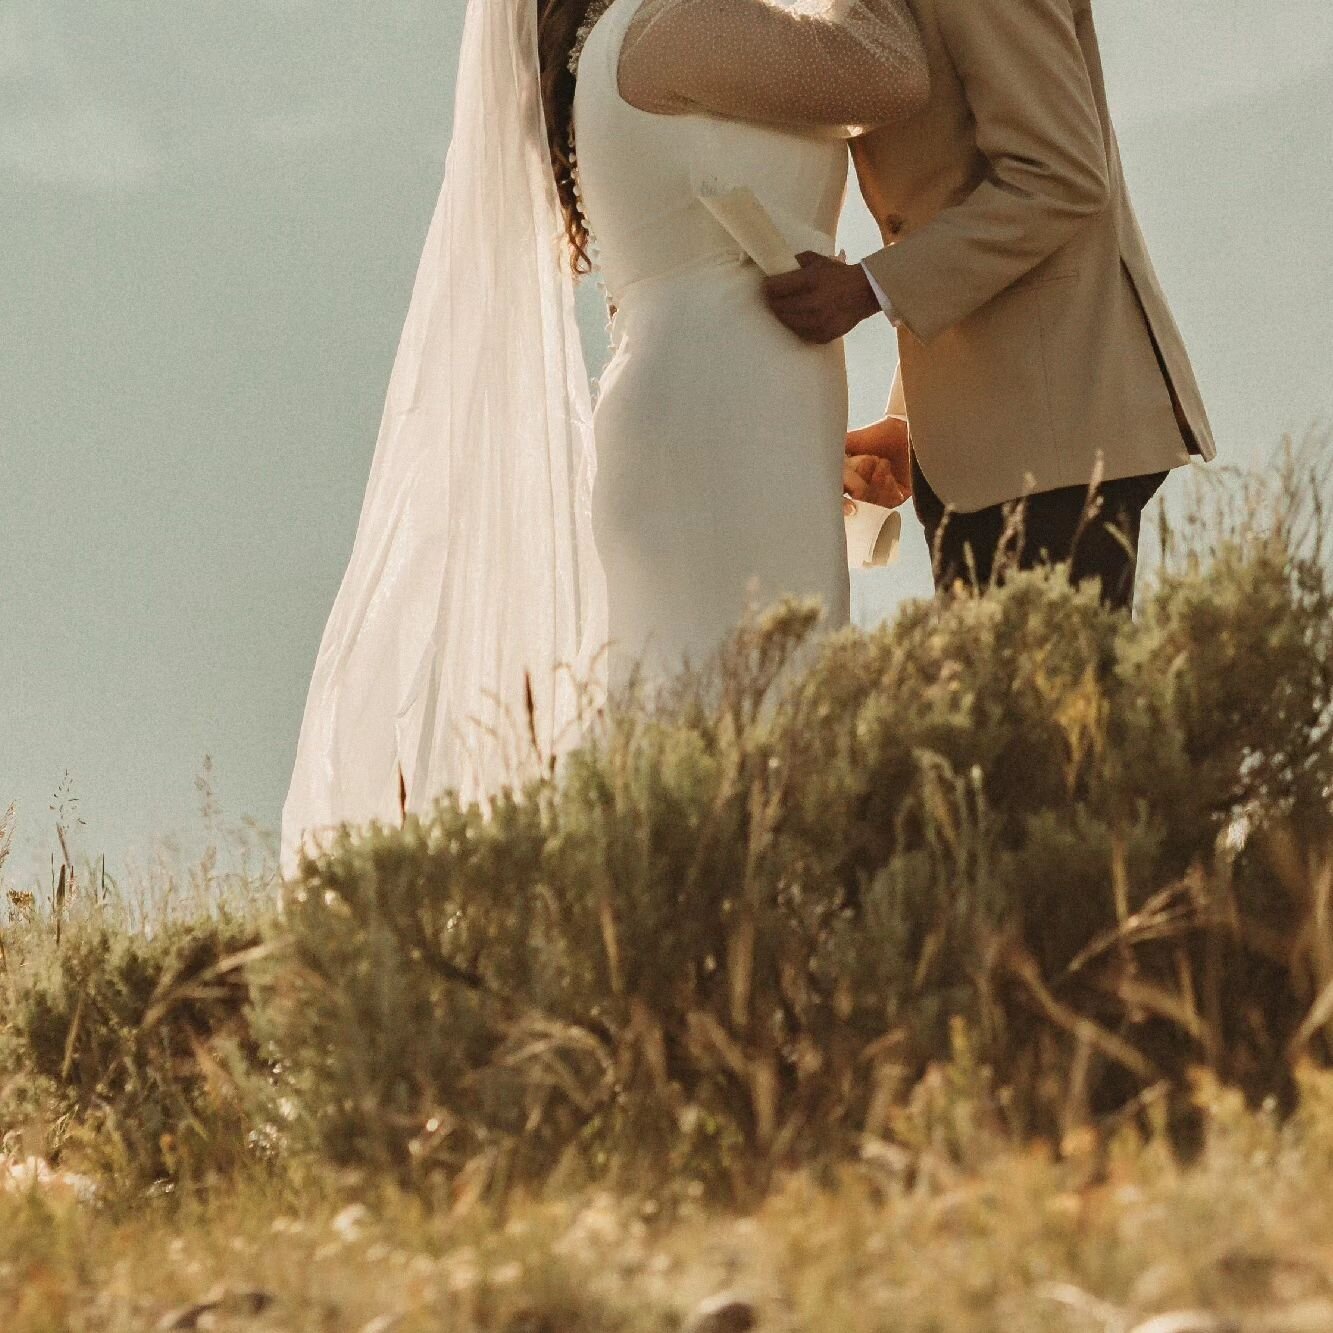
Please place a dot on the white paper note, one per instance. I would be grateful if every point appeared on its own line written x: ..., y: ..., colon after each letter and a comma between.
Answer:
x: 873, y: 534
x: 752, y: 228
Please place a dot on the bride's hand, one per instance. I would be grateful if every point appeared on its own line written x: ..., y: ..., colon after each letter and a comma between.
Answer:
x: 872, y: 480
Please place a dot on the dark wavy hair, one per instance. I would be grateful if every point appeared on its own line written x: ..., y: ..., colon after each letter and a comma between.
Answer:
x: 558, y: 23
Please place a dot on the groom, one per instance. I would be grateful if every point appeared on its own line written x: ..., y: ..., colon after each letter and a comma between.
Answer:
x: 1039, y: 357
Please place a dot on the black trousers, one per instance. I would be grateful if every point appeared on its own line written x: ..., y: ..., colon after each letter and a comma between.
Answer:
x: 1097, y: 536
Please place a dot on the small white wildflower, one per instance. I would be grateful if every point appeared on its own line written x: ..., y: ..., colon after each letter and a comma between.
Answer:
x: 349, y: 1224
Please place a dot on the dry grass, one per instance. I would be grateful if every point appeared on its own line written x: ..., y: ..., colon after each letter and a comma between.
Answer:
x: 1102, y: 1238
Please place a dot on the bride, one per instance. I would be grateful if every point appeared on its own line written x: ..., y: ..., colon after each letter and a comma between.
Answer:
x: 490, y: 570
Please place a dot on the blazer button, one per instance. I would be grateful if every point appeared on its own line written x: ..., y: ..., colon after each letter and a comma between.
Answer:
x: 894, y: 223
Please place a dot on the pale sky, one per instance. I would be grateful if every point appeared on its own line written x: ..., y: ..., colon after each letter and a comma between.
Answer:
x: 212, y: 214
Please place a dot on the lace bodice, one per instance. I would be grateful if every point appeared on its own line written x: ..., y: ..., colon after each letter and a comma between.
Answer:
x: 856, y: 63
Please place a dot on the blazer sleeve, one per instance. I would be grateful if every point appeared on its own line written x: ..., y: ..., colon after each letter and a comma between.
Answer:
x: 1039, y: 128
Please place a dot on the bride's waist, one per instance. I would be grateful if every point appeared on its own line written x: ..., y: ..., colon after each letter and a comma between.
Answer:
x: 688, y: 247
x: 708, y: 324
x: 690, y: 290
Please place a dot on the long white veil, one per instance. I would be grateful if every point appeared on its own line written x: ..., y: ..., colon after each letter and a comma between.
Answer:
x: 474, y: 599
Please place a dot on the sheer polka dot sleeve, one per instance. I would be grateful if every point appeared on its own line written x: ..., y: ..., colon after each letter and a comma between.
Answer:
x: 816, y: 63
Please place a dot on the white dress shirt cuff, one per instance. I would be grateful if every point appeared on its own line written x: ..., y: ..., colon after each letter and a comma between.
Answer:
x: 882, y: 297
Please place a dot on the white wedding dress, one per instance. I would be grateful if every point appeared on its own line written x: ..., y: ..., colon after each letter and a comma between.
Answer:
x: 719, y: 434
x: 489, y: 572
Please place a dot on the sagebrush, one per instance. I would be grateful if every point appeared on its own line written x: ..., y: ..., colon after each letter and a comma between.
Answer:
x: 1068, y: 857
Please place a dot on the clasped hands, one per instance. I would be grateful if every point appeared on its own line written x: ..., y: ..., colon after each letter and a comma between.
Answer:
x: 878, y: 464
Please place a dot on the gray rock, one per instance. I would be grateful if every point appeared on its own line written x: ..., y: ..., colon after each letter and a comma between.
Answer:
x: 1187, y: 1321
x: 725, y: 1313
x: 228, y: 1304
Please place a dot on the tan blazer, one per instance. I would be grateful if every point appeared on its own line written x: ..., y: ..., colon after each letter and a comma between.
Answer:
x: 1037, y: 346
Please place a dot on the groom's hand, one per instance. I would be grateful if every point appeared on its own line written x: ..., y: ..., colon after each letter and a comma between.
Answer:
x: 824, y: 300
x: 889, y: 439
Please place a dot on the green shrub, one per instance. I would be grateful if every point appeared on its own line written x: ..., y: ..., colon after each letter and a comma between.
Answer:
x: 741, y: 923
x: 1012, y: 860
x: 123, y: 1041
